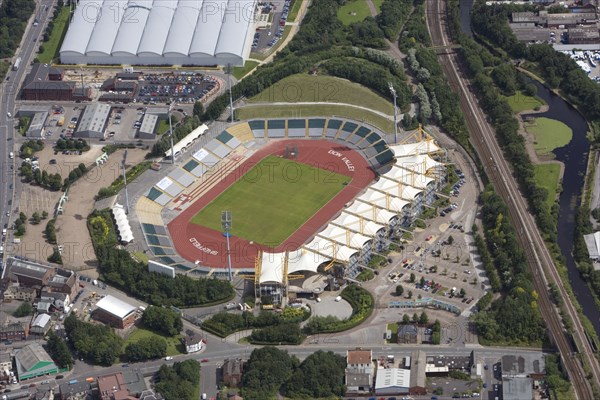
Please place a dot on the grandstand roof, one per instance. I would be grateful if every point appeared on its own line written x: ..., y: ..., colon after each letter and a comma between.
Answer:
x: 418, y: 163
x: 396, y: 189
x: 358, y: 224
x: 407, y: 149
x: 122, y: 223
x: 331, y: 249
x: 159, y: 31
x: 417, y: 180
x: 382, y: 200
x: 189, y: 139
x: 299, y: 260
x: 371, y: 212
x: 344, y: 236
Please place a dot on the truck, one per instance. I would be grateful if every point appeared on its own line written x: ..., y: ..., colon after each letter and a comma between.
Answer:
x: 17, y: 64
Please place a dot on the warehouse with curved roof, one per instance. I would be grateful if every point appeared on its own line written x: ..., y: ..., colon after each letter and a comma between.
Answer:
x: 160, y: 32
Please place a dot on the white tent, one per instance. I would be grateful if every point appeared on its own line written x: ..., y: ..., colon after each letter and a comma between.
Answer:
x: 419, y: 163
x: 122, y: 223
x: 410, y: 178
x: 344, y: 236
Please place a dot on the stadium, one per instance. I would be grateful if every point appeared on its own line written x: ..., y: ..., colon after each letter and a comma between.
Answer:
x: 310, y: 198
x: 160, y: 32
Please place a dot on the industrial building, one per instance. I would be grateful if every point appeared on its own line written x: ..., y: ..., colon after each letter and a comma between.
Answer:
x: 115, y: 312
x: 36, y: 126
x: 589, y: 35
x: 93, y: 122
x: 392, y: 381
x: 33, y: 361
x: 148, y: 128
x: 160, y: 32
x: 40, y: 324
x: 45, y: 82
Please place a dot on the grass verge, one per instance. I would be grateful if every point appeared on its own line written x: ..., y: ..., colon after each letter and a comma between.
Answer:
x: 293, y: 14
x: 549, y: 134
x: 378, y: 4
x: 322, y: 88
x: 317, y: 110
x: 353, y: 11
x: 547, y: 176
x: 520, y: 102
x: 240, y: 72
x: 303, y: 190
x: 174, y: 345
x: 51, y: 47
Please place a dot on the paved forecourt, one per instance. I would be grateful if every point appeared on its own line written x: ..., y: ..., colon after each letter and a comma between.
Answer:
x: 331, y: 177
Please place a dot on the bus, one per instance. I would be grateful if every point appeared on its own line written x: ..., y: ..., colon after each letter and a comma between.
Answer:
x: 17, y: 64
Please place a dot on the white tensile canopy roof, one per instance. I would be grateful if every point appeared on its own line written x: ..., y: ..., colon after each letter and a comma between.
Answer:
x: 407, y: 177
x: 418, y: 163
x: 302, y: 259
x: 331, y: 249
x: 408, y: 149
x: 358, y: 224
x: 122, y: 223
x: 344, y: 236
x: 381, y: 200
x: 396, y: 189
x: 371, y: 212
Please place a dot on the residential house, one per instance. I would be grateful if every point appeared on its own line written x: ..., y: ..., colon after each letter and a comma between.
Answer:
x: 59, y: 300
x: 14, y: 331
x: 18, y: 292
x: 232, y: 372
x: 192, y: 342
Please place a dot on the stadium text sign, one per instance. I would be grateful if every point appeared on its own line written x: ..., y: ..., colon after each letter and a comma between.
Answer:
x: 345, y: 159
x: 202, y: 248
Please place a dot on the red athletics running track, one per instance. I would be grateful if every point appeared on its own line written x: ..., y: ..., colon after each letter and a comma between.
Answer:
x: 208, y: 247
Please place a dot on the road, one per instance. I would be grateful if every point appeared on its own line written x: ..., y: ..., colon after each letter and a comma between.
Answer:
x: 539, y: 258
x: 9, y: 90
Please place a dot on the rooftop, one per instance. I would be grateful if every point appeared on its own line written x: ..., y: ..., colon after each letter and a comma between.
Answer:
x: 94, y: 117
x: 517, y: 388
x: 29, y: 269
x: 358, y: 379
x: 359, y: 356
x: 518, y: 365
x: 392, y: 377
x: 42, y: 320
x: 115, y: 306
x: 30, y: 355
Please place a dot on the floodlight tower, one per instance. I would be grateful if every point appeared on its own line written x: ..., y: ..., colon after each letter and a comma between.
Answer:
x: 393, y: 91
x: 226, y: 223
x: 171, y: 133
x: 125, y: 183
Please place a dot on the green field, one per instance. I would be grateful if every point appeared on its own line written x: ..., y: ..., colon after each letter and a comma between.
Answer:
x: 378, y: 4
x: 322, y: 88
x: 272, y: 200
x: 520, y: 102
x: 240, y: 72
x: 317, y: 110
x: 59, y: 31
x: 174, y: 345
x: 549, y: 134
x: 294, y: 10
x: 353, y: 11
x: 547, y: 176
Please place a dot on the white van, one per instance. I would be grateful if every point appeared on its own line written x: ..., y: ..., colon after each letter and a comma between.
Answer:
x: 11, y: 155
x: 339, y: 298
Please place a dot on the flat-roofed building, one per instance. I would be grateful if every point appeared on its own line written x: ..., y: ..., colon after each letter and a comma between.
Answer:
x: 392, y: 381
x: 36, y: 128
x: 568, y: 20
x: 418, y: 367
x: 63, y: 281
x: 92, y: 123
x: 28, y: 273
x: 148, y: 128
x: 115, y: 312
x: 517, y: 388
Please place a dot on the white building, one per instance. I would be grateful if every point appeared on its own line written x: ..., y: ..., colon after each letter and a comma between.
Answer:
x: 160, y: 32
x: 93, y: 121
x: 392, y: 381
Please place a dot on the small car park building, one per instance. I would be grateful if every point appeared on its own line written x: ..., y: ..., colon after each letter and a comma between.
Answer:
x: 115, y: 312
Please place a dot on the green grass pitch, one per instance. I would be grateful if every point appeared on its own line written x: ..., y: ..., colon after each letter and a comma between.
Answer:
x: 272, y: 200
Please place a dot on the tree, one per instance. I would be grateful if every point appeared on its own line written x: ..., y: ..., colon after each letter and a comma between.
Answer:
x: 198, y: 109
x: 22, y: 217
x: 267, y: 369
x: 59, y: 351
x: 23, y: 310
x: 450, y: 239
x: 146, y: 348
x: 162, y: 319
x: 422, y: 281
x: 97, y: 344
x: 415, y: 318
x: 462, y: 292
x: 180, y: 381
x: 55, y: 257
x: 20, y: 231
x: 321, y: 375
x: 44, y: 214
x: 423, y: 318
x: 399, y: 290
x: 405, y: 319
x: 412, y: 277
x: 410, y: 294
x: 36, y: 218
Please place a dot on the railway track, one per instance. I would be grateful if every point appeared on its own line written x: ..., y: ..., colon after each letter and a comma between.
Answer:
x: 539, y: 259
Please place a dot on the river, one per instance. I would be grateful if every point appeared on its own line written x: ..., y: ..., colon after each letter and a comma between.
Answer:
x: 464, y: 11
x: 574, y: 156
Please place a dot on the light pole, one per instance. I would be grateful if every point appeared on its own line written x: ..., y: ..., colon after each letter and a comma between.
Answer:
x: 395, y: 113
x: 226, y: 223
x: 125, y: 183
x: 229, y: 71
x: 171, y: 134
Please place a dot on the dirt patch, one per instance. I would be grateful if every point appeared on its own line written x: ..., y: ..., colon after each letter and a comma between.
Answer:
x: 63, y: 164
x: 71, y: 226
